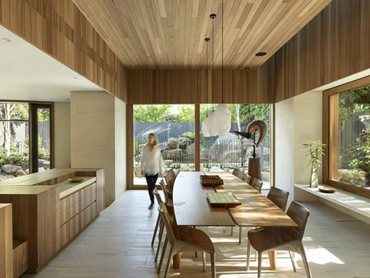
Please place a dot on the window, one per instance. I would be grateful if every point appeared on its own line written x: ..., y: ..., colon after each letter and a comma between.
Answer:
x: 174, y: 127
x: 184, y: 148
x: 349, y: 138
x: 232, y: 151
x: 14, y: 139
x: 25, y: 138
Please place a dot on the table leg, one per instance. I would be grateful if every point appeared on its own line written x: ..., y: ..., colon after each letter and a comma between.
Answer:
x: 176, y: 260
x: 272, y: 259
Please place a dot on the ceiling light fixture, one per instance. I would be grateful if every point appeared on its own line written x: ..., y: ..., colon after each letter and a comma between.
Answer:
x: 218, y: 122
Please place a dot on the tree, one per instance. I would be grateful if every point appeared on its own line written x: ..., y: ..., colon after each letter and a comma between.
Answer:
x: 11, y: 111
x: 186, y: 113
x: 151, y: 113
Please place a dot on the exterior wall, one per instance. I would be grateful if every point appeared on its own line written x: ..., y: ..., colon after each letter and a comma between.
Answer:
x: 298, y: 120
x: 120, y: 146
x: 62, y: 135
x: 93, y: 136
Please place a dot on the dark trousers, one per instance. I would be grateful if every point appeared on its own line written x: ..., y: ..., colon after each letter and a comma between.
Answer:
x: 151, y: 180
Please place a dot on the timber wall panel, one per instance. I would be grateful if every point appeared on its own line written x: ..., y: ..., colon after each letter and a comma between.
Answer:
x: 59, y: 29
x: 335, y: 44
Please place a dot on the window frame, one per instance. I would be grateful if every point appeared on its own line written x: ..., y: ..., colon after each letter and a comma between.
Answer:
x: 330, y: 158
x: 130, y: 142
x: 32, y: 129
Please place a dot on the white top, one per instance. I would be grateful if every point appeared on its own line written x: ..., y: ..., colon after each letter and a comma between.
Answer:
x: 151, y: 160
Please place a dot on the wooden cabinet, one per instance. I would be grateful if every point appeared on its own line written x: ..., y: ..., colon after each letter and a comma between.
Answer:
x: 6, y: 241
x: 77, y: 210
x: 20, y: 257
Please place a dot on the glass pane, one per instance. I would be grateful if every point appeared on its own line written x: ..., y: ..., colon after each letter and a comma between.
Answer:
x: 174, y: 128
x: 231, y: 150
x: 14, y: 149
x: 14, y: 111
x: 43, y: 138
x: 354, y: 137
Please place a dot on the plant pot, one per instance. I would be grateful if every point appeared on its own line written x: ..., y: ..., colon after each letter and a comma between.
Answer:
x: 314, y: 180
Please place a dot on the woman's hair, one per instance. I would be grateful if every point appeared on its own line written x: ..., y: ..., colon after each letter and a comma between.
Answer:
x: 155, y: 140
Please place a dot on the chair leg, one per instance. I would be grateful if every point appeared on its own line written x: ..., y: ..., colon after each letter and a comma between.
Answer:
x: 248, y: 254
x: 204, y: 261
x: 304, y: 260
x: 159, y: 243
x: 292, y: 260
x: 232, y: 231
x: 213, y: 265
x: 259, y: 264
x: 240, y: 235
x: 162, y: 255
x: 155, y: 230
x: 169, y: 261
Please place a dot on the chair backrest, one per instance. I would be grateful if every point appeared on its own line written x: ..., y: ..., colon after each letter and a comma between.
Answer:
x: 158, y: 197
x: 278, y: 197
x: 163, y: 213
x: 246, y: 178
x: 257, y: 184
x: 163, y: 186
x: 299, y: 215
x: 170, y: 178
x: 238, y: 173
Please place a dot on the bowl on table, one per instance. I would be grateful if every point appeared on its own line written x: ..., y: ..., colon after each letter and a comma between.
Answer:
x: 76, y: 179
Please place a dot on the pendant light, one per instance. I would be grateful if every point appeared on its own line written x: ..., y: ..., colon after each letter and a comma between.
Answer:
x: 218, y: 122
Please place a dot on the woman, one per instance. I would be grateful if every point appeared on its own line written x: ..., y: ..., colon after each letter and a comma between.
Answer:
x: 151, y: 163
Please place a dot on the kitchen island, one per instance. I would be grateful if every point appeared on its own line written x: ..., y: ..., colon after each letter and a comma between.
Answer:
x: 49, y: 209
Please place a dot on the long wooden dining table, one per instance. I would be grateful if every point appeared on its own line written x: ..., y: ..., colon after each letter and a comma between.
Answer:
x: 192, y: 208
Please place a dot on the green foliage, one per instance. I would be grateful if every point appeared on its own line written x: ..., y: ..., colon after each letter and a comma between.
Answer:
x: 354, y: 102
x: 361, y: 152
x: 14, y: 111
x: 188, y: 134
x: 15, y: 158
x: 186, y: 113
x: 151, y: 113
x: 315, y: 150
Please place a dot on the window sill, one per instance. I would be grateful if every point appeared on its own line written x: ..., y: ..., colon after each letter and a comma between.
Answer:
x: 352, y: 204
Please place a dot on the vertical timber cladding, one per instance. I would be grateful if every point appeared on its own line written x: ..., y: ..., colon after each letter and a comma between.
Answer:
x: 59, y: 29
x: 191, y: 86
x: 335, y: 44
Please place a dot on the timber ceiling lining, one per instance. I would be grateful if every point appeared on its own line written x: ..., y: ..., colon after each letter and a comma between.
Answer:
x: 170, y: 33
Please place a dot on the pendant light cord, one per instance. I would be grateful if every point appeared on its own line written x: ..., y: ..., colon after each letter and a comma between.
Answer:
x: 222, y: 51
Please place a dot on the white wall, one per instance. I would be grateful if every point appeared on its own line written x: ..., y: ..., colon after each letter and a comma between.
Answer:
x: 62, y: 138
x: 120, y: 146
x: 298, y: 120
x: 98, y: 138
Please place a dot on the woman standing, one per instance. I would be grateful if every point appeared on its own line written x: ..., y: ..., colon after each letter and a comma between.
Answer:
x: 151, y: 163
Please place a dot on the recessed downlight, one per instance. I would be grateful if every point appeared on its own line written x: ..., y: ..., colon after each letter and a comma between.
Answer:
x: 260, y: 54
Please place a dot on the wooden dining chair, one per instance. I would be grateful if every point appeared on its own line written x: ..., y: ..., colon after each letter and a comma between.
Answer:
x: 170, y: 178
x: 184, y: 238
x: 159, y: 224
x: 257, y: 184
x: 238, y: 173
x: 278, y: 197
x: 167, y: 194
x: 281, y: 238
x: 247, y: 178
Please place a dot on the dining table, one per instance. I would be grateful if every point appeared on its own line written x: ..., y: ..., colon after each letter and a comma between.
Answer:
x: 192, y: 208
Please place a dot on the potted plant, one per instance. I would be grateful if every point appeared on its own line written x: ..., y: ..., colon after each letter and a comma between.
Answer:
x: 315, y: 151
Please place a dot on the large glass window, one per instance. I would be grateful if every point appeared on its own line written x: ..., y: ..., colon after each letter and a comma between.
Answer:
x: 14, y: 139
x: 351, y: 129
x: 174, y: 127
x: 231, y: 150
x: 21, y: 153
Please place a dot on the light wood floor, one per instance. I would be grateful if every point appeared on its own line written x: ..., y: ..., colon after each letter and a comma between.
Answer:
x: 117, y: 245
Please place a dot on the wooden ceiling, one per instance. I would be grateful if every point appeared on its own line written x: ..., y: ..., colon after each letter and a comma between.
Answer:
x: 170, y: 33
